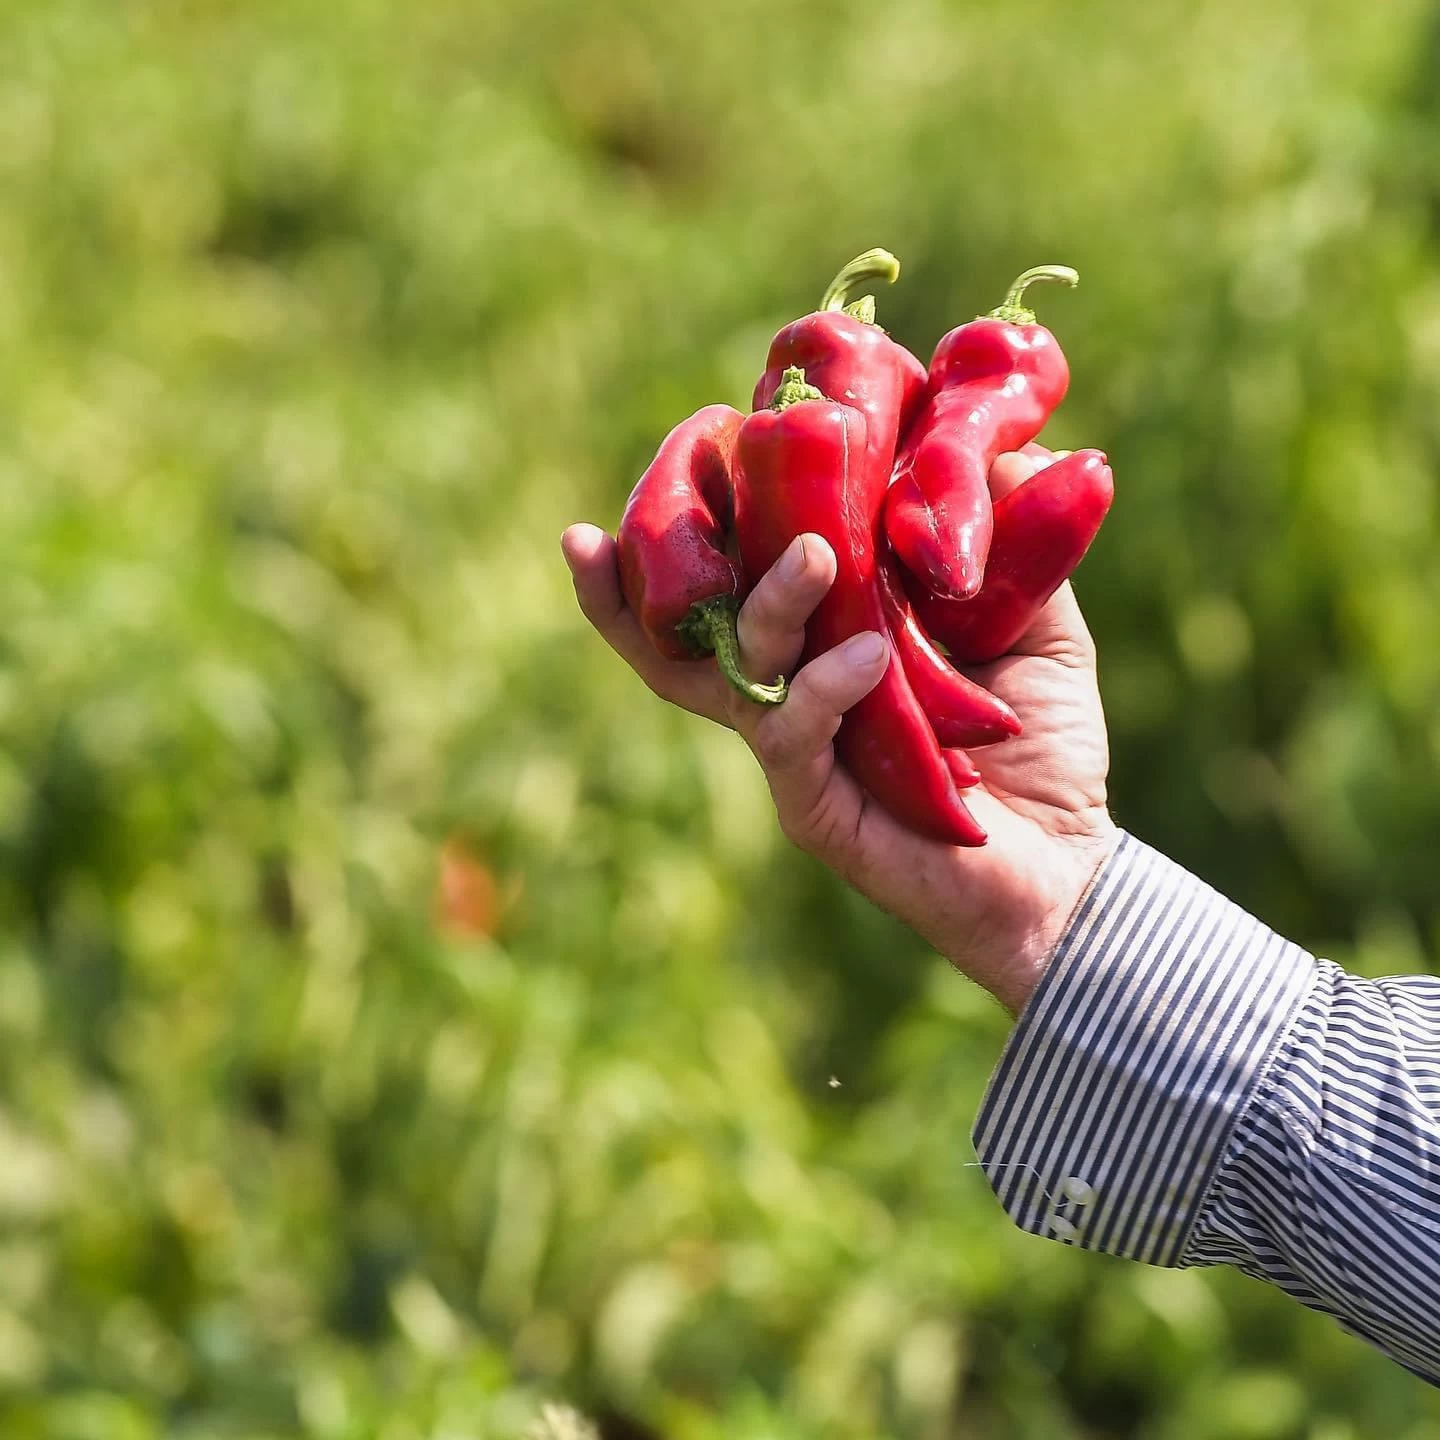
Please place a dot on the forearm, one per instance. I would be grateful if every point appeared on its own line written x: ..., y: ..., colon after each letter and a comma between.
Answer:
x: 1185, y: 1087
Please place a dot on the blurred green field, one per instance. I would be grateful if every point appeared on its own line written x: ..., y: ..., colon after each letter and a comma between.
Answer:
x: 319, y: 319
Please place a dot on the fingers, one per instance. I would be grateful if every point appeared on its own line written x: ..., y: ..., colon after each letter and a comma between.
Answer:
x: 818, y: 805
x: 591, y: 556
x: 772, y: 620
x: 1012, y: 469
x: 792, y: 742
x: 1059, y: 632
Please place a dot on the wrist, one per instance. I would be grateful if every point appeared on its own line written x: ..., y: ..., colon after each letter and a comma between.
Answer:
x: 1010, y: 953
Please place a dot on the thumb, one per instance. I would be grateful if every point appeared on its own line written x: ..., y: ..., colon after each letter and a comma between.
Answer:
x: 793, y: 742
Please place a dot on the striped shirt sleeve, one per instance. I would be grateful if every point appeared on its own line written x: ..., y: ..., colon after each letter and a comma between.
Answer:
x: 1185, y: 1087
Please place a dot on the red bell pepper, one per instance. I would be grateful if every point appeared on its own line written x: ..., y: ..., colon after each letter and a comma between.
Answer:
x: 1042, y: 530
x: 675, y: 571
x: 993, y: 384
x: 801, y: 467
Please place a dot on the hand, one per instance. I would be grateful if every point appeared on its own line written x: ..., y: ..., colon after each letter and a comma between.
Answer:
x: 996, y: 913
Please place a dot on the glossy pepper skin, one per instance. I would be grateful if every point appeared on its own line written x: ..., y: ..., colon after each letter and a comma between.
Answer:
x: 847, y: 357
x: 800, y: 469
x: 993, y: 383
x: 1042, y: 530
x: 675, y: 571
x: 962, y: 714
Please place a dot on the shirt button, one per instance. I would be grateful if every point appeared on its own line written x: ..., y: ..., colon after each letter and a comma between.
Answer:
x: 1076, y: 1190
x: 1062, y: 1227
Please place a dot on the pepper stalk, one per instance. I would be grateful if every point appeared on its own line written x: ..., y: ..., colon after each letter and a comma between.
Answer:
x: 872, y: 265
x: 711, y: 627
x: 1013, y: 307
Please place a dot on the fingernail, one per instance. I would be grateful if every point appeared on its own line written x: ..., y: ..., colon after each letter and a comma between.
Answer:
x: 864, y: 649
x: 792, y: 562
x: 1061, y: 455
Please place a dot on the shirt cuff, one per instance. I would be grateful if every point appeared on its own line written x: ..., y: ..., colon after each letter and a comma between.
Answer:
x: 1153, y: 1025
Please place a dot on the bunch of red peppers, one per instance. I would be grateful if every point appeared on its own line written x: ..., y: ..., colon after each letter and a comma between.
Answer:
x: 852, y: 439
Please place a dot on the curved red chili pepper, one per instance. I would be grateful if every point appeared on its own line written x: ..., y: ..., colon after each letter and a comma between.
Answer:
x: 848, y: 358
x: 960, y: 712
x: 993, y: 384
x: 674, y: 570
x: 801, y: 467
x: 1042, y: 530
x: 962, y: 769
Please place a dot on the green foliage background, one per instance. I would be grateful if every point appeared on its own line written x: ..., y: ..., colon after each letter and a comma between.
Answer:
x: 318, y: 321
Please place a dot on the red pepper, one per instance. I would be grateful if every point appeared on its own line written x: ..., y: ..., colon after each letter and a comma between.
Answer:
x: 848, y: 358
x: 1042, y: 530
x: 960, y: 712
x: 674, y: 569
x: 993, y: 384
x: 801, y: 467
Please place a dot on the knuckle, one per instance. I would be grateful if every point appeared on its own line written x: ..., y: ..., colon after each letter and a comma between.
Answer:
x: 794, y: 830
x: 834, y: 831
x: 760, y: 605
x: 828, y: 832
x: 827, y: 688
x: 1077, y: 650
x: 773, y: 742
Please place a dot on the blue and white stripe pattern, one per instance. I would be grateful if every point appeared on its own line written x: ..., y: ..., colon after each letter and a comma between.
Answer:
x: 1186, y: 1087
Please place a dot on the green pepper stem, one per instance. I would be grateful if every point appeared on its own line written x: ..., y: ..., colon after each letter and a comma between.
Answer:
x: 1013, y: 307
x: 872, y: 265
x: 862, y: 309
x: 710, y: 628
x: 793, y: 389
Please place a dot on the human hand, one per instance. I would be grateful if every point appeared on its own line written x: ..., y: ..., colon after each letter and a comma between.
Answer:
x: 996, y: 912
